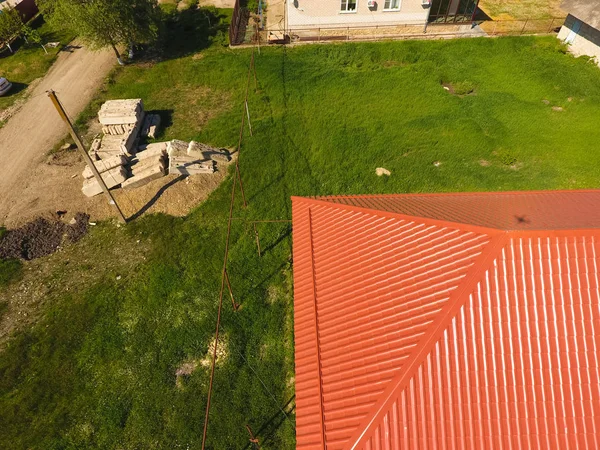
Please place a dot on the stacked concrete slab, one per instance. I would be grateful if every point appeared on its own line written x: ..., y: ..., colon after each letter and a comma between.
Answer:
x: 191, y: 158
x: 121, y: 162
x: 149, y: 164
x: 115, y: 113
x: 113, y: 173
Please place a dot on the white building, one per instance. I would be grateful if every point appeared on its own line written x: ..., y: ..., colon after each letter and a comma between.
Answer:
x: 582, y: 27
x: 307, y: 14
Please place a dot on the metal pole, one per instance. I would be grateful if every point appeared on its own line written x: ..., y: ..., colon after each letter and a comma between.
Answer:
x: 258, y: 39
x: 239, y: 177
x: 214, y: 356
x: 254, y: 71
x: 248, y: 114
x: 63, y: 115
x: 257, y: 239
x: 235, y: 305
x: 551, y: 24
x: 523, y: 30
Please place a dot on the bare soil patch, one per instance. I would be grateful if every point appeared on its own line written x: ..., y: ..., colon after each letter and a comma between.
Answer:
x: 41, y: 237
x: 35, y: 127
x: 71, y: 268
x: 55, y: 185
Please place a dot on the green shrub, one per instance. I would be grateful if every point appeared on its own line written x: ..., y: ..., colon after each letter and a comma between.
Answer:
x: 464, y: 87
x: 506, y: 157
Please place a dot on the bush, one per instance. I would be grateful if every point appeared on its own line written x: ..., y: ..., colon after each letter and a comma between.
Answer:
x: 463, y: 87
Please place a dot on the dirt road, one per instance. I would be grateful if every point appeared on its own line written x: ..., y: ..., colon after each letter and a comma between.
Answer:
x: 36, y: 127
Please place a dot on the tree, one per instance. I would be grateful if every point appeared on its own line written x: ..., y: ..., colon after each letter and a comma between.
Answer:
x: 105, y: 23
x: 33, y: 36
x: 11, y: 25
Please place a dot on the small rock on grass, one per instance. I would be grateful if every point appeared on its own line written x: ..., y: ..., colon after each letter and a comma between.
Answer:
x: 546, y: 102
x: 380, y: 171
x: 557, y: 108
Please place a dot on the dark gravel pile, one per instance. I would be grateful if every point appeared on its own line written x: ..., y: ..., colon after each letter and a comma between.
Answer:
x: 41, y: 237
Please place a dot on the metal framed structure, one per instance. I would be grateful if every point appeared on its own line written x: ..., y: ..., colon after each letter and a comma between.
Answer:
x: 453, y: 11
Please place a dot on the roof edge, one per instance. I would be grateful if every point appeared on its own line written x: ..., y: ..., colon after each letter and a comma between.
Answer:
x: 468, y: 193
x: 383, y: 213
x: 457, y: 301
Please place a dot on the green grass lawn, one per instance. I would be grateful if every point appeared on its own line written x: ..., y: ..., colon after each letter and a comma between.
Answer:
x: 98, y: 371
x: 29, y: 61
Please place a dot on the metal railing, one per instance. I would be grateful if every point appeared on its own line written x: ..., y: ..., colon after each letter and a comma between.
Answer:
x: 479, y: 28
x: 235, y: 25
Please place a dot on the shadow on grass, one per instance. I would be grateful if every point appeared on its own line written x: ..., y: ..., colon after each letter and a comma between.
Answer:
x: 166, y: 120
x: 266, y: 432
x: 187, y: 32
x: 16, y: 89
x: 283, y: 236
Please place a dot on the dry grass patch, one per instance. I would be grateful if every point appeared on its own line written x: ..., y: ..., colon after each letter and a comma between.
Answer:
x: 521, y: 9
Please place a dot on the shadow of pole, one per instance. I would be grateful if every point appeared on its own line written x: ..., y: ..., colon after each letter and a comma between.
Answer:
x: 268, y: 429
x: 153, y: 200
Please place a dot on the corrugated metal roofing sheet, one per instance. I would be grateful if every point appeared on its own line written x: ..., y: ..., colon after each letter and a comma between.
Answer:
x: 413, y: 333
x: 552, y: 210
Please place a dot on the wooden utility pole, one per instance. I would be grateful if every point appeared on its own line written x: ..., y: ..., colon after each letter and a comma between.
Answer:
x: 86, y: 157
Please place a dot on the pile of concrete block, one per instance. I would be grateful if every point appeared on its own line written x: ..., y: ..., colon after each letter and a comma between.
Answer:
x: 115, y: 113
x: 112, y: 170
x: 121, y: 162
x: 149, y: 164
x: 185, y: 159
x: 121, y: 123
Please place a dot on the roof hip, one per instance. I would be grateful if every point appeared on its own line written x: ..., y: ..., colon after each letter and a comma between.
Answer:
x: 425, y: 346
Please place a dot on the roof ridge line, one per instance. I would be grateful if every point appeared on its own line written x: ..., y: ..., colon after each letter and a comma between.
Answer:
x: 382, y: 212
x: 456, y: 301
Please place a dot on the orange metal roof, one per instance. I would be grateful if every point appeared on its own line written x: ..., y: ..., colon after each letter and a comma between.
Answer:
x: 439, y: 321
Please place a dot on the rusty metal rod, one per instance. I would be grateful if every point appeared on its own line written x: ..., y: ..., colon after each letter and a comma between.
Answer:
x: 235, y: 305
x: 253, y: 438
x: 223, y: 276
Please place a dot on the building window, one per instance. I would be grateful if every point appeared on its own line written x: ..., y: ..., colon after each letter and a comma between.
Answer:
x: 349, y: 5
x: 391, y: 5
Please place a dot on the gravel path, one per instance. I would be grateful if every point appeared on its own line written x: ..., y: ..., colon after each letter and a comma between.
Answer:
x: 36, y: 127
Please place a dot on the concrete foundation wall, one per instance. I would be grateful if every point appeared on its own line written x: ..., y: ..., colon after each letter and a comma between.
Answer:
x: 586, y: 41
x: 327, y: 13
